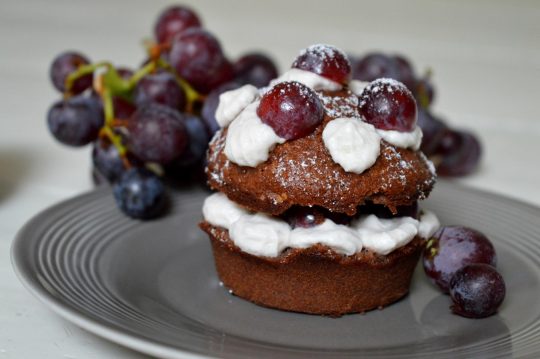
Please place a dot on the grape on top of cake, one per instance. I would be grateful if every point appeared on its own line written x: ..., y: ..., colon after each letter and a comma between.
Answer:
x: 318, y: 180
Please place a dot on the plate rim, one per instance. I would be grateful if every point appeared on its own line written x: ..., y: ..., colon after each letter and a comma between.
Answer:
x: 86, y: 322
x: 134, y: 341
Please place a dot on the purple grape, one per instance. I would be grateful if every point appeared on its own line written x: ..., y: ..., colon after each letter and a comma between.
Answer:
x: 459, y: 153
x: 98, y: 179
x: 139, y: 193
x: 196, y: 55
x: 477, y: 291
x: 198, y: 142
x: 189, y: 167
x: 256, y: 69
x: 173, y: 21
x: 108, y: 162
x: 453, y: 247
x: 377, y: 65
x: 208, y: 111
x: 432, y: 128
x: 405, y: 72
x: 374, y: 66
x: 63, y: 65
x: 157, y: 133
x: 76, y: 121
x: 161, y: 88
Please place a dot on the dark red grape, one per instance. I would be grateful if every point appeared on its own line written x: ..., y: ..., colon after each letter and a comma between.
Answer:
x: 256, y: 69
x: 451, y: 248
x: 304, y: 217
x: 196, y: 55
x: 457, y: 154
x: 173, y: 21
x: 208, y: 111
x: 161, y: 88
x: 139, y: 193
x: 325, y: 60
x: 433, y: 130
x: 388, y: 105
x: 291, y: 109
x: 76, y: 121
x: 477, y: 291
x: 63, y: 65
x: 123, y: 109
x: 157, y: 133
x: 374, y: 66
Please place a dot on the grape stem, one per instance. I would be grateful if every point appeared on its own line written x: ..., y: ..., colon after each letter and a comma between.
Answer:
x: 110, y: 84
x: 423, y: 97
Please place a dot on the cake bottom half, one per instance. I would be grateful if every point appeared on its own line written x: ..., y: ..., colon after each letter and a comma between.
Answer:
x: 315, y: 280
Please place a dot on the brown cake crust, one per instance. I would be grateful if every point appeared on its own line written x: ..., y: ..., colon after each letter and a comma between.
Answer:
x: 302, y: 172
x: 315, y: 280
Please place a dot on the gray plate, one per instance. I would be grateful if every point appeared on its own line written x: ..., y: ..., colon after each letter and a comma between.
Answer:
x: 152, y: 286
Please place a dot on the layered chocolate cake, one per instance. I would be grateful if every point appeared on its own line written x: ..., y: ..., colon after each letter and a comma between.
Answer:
x: 318, y: 180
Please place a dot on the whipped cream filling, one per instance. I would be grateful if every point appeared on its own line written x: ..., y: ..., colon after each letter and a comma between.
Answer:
x: 231, y: 103
x: 411, y: 139
x: 249, y: 140
x: 357, y: 86
x: 308, y: 78
x: 266, y: 236
x: 352, y: 143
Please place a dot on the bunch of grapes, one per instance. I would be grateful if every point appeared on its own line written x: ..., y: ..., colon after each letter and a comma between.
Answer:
x: 154, y: 122
x: 454, y: 152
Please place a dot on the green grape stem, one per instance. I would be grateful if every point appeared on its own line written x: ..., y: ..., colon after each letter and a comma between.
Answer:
x: 110, y: 84
x: 82, y: 71
x: 423, y: 97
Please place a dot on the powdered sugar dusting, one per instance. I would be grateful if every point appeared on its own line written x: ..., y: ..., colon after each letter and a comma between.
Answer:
x: 298, y: 172
x: 324, y: 52
x: 375, y: 86
x: 217, y: 144
x: 337, y: 106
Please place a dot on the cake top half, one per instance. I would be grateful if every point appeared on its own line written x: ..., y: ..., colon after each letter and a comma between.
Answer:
x: 315, y: 138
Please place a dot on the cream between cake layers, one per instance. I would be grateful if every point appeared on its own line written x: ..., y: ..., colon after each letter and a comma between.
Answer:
x: 319, y: 179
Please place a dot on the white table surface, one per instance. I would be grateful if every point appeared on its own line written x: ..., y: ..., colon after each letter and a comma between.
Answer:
x: 485, y: 56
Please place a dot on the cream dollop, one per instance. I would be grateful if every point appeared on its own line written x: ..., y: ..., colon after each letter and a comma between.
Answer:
x: 384, y: 235
x: 249, y: 140
x: 231, y: 103
x: 266, y: 236
x: 357, y: 86
x: 429, y: 224
x: 308, y: 78
x: 352, y: 143
x: 411, y: 139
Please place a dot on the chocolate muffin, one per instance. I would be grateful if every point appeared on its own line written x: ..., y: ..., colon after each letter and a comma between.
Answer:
x: 318, y: 181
